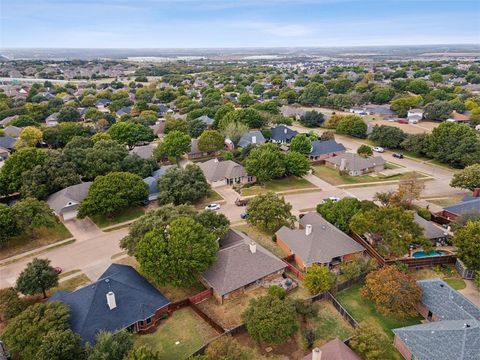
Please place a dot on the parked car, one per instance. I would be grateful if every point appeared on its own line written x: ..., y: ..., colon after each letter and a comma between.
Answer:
x: 378, y: 149
x: 403, y: 121
x: 244, y: 215
x: 332, y: 199
x: 398, y: 155
x: 212, y: 206
x: 58, y: 269
x: 241, y: 202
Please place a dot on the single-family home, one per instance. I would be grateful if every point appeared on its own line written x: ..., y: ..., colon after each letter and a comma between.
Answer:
x: 355, y: 165
x: 152, y: 182
x: 13, y: 131
x: 358, y: 111
x: 120, y: 299
x: 414, y: 115
x: 380, y: 110
x: 206, y: 120
x: 126, y: 110
x: 452, y: 330
x: 196, y: 153
x: 335, y: 349
x: 158, y: 128
x: 251, y: 138
x: 7, y: 142
x: 4, y: 153
x: 144, y: 151
x: 163, y: 110
x: 102, y: 103
x: 282, y: 134
x: 241, y: 265
x: 52, y: 120
x: 317, y: 242
x: 322, y: 150
x: 6, y: 121
x: 458, y: 118
x: 65, y: 202
x: 470, y: 204
x: 227, y: 172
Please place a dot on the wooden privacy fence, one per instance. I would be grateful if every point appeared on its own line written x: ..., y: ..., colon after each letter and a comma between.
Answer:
x: 195, y: 299
x: 298, y: 273
x: 236, y: 330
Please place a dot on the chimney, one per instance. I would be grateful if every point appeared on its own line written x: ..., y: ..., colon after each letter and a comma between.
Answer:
x: 253, y: 247
x: 112, y: 304
x: 343, y: 164
x: 308, y: 229
x: 285, y: 130
x: 254, y: 139
x: 476, y: 192
x: 316, y: 354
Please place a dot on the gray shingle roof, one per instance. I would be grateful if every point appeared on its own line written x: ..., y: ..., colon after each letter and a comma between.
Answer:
x: 206, y: 119
x: 237, y: 266
x: 356, y: 162
x: 430, y: 230
x: 152, y: 187
x: 68, y: 197
x: 145, y: 152
x: 247, y: 138
x: 215, y: 170
x: 325, y: 147
x: 464, y: 206
x: 322, y: 245
x: 7, y: 142
x: 136, y: 300
x: 283, y: 133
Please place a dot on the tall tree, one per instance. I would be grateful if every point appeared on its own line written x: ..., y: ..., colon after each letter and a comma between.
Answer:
x: 8, y: 224
x: 60, y: 345
x: 31, y: 213
x: 339, y: 213
x: 467, y: 240
x: 37, y: 278
x: 302, y: 144
x: 312, y: 119
x: 318, y: 278
x: 30, y: 136
x: 296, y: 164
x: 352, y: 125
x: 10, y: 304
x: 173, y: 145
x: 130, y: 133
x: 266, y: 162
x: 110, y: 346
x: 468, y: 178
x: 182, y: 186
x: 370, y: 342
x: 387, y: 136
x: 210, y: 141
x: 142, y: 353
x: 269, y: 212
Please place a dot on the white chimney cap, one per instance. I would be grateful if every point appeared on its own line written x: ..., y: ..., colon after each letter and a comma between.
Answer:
x: 308, y: 229
x: 253, y: 247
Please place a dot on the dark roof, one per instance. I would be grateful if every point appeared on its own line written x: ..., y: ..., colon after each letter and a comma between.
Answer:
x: 7, y: 142
x: 430, y: 230
x: 464, y: 206
x: 325, y: 147
x: 248, y: 138
x: 152, y: 187
x: 205, y: 119
x: 283, y: 133
x: 102, y: 101
x: 237, y: 265
x: 135, y: 297
x: 335, y: 350
x: 124, y: 110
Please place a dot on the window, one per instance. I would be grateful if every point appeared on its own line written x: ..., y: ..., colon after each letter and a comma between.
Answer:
x: 149, y: 321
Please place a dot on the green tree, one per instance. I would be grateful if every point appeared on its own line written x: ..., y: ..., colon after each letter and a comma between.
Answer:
x: 182, y: 186
x: 438, y: 110
x: 25, y: 334
x: 312, y: 119
x: 60, y: 345
x: 370, y: 342
x: 350, y: 270
x: 215, y: 222
x: 30, y: 136
x: 302, y: 144
x: 296, y: 164
x: 266, y: 162
x: 178, y: 255
x: 468, y: 178
x: 31, y: 213
x: 196, y: 127
x: 401, y: 105
x: 173, y: 124
x: 289, y: 95
x: 130, y: 133
x: 341, y: 212
x: 269, y: 212
x: 8, y: 224
x: 227, y: 348
x: 318, y: 278
x: 387, y: 136
x: 467, y: 240
x: 352, y: 125
x: 364, y: 150
x: 110, y: 346
x: 113, y: 192
x: 211, y: 141
x: 270, y: 320
x: 234, y: 131
x: 418, y: 86
x: 173, y: 145
x: 10, y: 304
x: 142, y: 353
x: 37, y: 278
x: 68, y: 114
x: 245, y: 100
x: 313, y: 93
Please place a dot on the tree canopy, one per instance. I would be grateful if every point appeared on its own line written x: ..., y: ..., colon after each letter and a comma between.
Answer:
x: 269, y: 212
x: 387, y: 136
x: 340, y: 213
x: 173, y: 145
x: 37, y: 278
x: 467, y: 241
x: 468, y: 178
x: 318, y: 278
x: 130, y: 133
x: 266, y: 162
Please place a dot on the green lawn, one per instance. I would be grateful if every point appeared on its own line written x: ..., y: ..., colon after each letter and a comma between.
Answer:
x: 178, y: 336
x: 261, y: 238
x: 329, y: 324
x: 213, y: 197
x: 103, y: 221
x: 364, y: 310
x: 445, y: 201
x: 390, y: 165
x: 280, y: 185
x: 456, y: 283
x: 41, y: 237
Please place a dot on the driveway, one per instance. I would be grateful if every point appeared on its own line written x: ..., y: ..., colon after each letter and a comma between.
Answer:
x: 83, y: 229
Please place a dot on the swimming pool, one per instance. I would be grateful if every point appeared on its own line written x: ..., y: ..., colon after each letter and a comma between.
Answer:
x: 420, y: 254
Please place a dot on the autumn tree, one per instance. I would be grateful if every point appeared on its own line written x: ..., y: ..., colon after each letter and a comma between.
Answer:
x: 318, y: 278
x: 227, y: 348
x: 352, y: 125
x: 468, y: 178
x: 409, y: 189
x: 393, y: 292
x: 370, y: 342
x: 269, y: 212
x: 30, y: 136
x: 467, y: 241
x: 37, y: 278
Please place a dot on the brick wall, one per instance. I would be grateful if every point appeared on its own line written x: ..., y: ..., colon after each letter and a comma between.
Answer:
x: 402, y: 348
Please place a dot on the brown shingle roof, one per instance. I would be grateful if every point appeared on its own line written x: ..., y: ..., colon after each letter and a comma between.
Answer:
x: 335, y: 350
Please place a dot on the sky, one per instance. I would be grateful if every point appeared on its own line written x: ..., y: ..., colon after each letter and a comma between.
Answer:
x: 236, y: 23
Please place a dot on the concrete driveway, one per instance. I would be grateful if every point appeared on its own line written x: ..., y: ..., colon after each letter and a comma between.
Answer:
x: 83, y: 229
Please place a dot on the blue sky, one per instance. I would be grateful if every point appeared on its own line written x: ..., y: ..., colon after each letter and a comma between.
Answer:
x: 236, y: 23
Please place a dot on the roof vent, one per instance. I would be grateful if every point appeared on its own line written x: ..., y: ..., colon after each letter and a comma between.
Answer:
x: 111, y: 302
x: 316, y: 354
x: 308, y: 229
x: 324, y: 227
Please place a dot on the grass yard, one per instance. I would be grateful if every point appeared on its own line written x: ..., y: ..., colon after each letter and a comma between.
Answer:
x: 333, y: 177
x: 456, y: 283
x: 390, y: 166
x: 446, y: 273
x: 43, y: 236
x: 279, y: 185
x: 261, y: 238
x: 183, y: 326
x: 120, y: 217
x: 445, y: 201
x: 72, y: 283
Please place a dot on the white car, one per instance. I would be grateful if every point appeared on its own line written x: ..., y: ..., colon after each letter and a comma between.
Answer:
x: 332, y: 199
x: 378, y: 149
x: 212, y: 207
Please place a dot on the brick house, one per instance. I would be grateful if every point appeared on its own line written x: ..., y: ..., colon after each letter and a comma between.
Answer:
x: 227, y: 172
x: 468, y: 204
x: 356, y: 165
x: 322, y: 150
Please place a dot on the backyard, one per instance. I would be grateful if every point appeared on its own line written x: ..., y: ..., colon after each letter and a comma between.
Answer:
x: 290, y: 183
x: 178, y: 336
x: 446, y: 273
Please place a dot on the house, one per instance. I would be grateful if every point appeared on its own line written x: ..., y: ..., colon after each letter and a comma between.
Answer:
x: 241, y: 265
x: 452, y: 330
x: 458, y: 118
x: 101, y: 104
x: 65, y: 202
x: 355, y: 165
x: 414, y: 115
x: 13, y: 131
x: 8, y: 120
x: 7, y: 142
x: 317, y: 242
x: 158, y: 128
x: 145, y: 151
x: 322, y: 150
x: 126, y: 110
x: 251, y: 138
x: 206, y: 120
x: 282, y: 134
x: 195, y: 152
x: 431, y: 231
x: 380, y: 110
x: 52, y: 120
x: 453, y: 211
x: 227, y: 172
x: 333, y: 350
x: 120, y: 299
x: 152, y: 187
x: 163, y: 110
x: 358, y: 111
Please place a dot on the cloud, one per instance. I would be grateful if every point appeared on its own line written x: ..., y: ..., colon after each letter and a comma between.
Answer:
x: 276, y: 29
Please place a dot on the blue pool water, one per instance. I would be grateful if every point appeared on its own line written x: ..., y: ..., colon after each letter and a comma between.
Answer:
x: 420, y: 254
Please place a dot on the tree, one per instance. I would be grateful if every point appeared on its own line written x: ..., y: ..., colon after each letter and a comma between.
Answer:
x: 182, y: 186
x: 277, y: 291
x: 130, y: 133
x: 227, y: 348
x: 333, y: 121
x: 266, y: 162
x: 172, y: 124
x: 393, y: 292
x: 68, y: 113
x: 468, y: 178
x: 467, y: 240
x: 401, y: 105
x: 318, y: 278
x: 37, y: 278
x: 327, y: 135
x: 215, y: 222
x: 370, y: 342
x: 8, y: 224
x: 142, y: 353
x: 269, y: 212
x: 288, y: 94
x: 387, y: 136
x: 26, y: 333
x: 352, y: 125
x: 415, y: 143
x: 365, y: 151
x: 312, y: 119
x: 301, y: 144
x: 110, y: 346
x: 418, y: 86
x: 10, y: 304
x: 339, y: 213
x: 31, y: 213
x: 196, y: 127
x: 245, y: 100
x: 312, y: 93
x: 395, y: 227
x: 173, y: 145
x: 60, y: 345
x: 30, y: 136
x: 438, y: 110
x: 234, y: 131
x: 296, y: 164
x: 409, y: 189
x: 211, y: 141
x: 350, y: 270
x: 178, y: 255
x: 270, y: 320
x: 113, y: 192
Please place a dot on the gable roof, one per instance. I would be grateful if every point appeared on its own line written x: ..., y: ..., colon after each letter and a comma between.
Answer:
x: 205, y: 119
x: 247, y: 138
x: 13, y: 131
x: 430, y: 230
x: 124, y: 110
x: 7, y: 142
x: 215, y: 170
x: 237, y: 266
x: 322, y: 245
x: 282, y: 133
x: 325, y: 147
x: 67, y: 197
x: 335, y: 350
x: 145, y: 151
x: 135, y: 297
x: 157, y: 174
x: 356, y: 162
x: 464, y: 206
